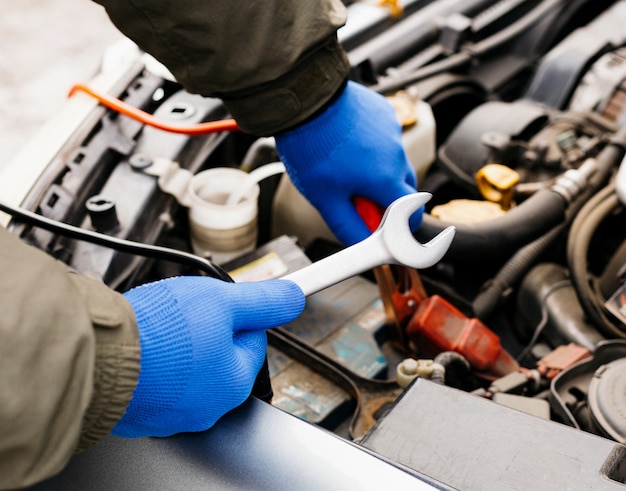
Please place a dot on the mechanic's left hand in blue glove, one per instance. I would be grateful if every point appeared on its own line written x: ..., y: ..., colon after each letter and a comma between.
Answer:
x: 202, y: 345
x: 352, y: 149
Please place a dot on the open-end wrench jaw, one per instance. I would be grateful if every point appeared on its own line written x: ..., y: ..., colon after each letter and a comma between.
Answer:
x: 398, y: 237
x: 391, y: 243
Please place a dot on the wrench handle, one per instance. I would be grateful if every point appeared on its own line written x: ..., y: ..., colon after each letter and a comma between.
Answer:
x: 333, y: 269
x: 391, y: 243
x: 339, y: 266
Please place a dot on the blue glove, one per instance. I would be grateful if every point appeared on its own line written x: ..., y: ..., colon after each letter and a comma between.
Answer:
x: 353, y: 148
x: 202, y: 345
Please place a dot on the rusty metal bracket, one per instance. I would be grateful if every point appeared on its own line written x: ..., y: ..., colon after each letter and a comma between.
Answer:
x: 371, y: 396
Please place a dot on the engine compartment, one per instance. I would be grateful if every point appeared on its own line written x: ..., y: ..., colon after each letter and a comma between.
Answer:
x: 513, y: 117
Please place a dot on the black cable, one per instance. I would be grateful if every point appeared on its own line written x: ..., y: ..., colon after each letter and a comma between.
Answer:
x: 504, y: 35
x: 448, y: 360
x: 470, y: 51
x: 453, y: 61
x: 122, y: 245
x: 513, y: 271
x: 523, y: 259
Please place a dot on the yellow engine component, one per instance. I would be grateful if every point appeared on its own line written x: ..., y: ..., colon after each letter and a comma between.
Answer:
x: 496, y: 183
x: 394, y: 6
x: 467, y: 211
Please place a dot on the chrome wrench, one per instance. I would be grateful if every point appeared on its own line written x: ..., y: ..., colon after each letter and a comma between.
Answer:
x: 391, y: 243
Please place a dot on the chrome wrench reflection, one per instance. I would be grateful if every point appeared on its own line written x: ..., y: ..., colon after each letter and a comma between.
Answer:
x: 391, y: 243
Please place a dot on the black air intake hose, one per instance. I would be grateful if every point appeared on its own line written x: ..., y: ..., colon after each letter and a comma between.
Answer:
x: 496, y: 240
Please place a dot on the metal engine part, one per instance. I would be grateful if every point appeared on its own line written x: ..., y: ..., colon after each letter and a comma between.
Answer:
x: 518, y: 124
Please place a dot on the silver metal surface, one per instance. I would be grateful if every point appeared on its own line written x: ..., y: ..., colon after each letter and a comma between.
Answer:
x: 391, y: 243
x: 254, y: 447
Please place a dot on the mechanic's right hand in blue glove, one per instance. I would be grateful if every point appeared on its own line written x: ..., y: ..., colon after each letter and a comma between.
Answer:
x: 352, y: 149
x: 202, y: 345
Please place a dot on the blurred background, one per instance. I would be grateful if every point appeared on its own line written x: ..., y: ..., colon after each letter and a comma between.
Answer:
x: 46, y: 46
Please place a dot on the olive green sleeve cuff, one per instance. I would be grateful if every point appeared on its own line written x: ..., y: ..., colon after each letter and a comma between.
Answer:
x: 291, y: 99
x: 116, y: 368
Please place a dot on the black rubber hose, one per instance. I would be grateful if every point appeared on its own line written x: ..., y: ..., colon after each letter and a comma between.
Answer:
x: 513, y: 272
x: 582, y: 229
x: 608, y: 160
x: 497, y: 239
x: 578, y: 248
x: 525, y: 258
x: 581, y: 218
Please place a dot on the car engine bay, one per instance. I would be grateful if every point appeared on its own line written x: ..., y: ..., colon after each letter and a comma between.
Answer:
x: 513, y: 116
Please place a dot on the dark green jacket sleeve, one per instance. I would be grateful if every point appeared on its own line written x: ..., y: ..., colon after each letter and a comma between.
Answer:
x: 69, y: 359
x: 274, y: 63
